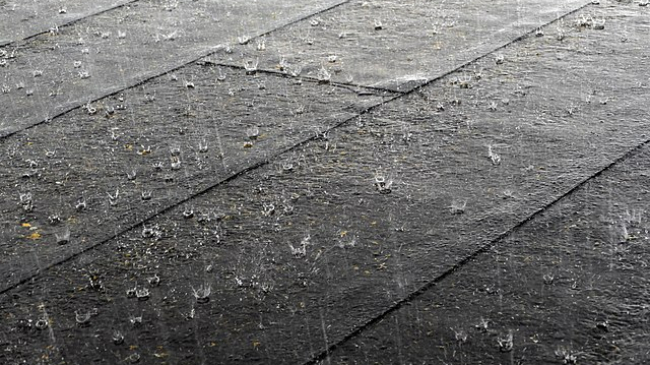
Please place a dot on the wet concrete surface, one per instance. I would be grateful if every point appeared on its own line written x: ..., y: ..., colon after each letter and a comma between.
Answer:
x: 21, y: 20
x: 492, y: 212
x: 99, y: 55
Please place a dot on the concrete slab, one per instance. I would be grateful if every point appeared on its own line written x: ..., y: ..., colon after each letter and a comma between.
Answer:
x: 397, y: 44
x: 568, y: 287
x: 127, y: 166
x: 24, y: 19
x: 302, y: 253
x: 102, y: 55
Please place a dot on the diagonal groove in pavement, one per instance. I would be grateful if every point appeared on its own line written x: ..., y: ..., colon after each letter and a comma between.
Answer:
x: 472, y: 256
x: 468, y: 262
x: 182, y: 201
x: 266, y: 161
x: 459, y: 265
x: 69, y: 23
x: 144, y: 80
x: 494, y: 242
x: 355, y: 87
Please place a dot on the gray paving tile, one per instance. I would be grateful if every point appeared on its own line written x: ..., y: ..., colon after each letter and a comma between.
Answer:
x: 117, y: 49
x: 203, y: 130
x: 569, y: 287
x: 23, y: 19
x: 365, y: 247
x: 397, y: 44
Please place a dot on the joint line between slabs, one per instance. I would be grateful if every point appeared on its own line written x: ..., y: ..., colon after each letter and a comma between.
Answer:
x: 485, y: 248
x: 244, y: 170
x: 68, y: 23
x: 264, y: 162
x: 472, y: 256
x: 253, y: 167
x: 150, y: 77
x: 345, y: 85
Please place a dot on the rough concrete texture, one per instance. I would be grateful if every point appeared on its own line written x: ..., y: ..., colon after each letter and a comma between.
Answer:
x: 102, y: 54
x: 20, y: 20
x: 491, y: 213
x: 397, y: 44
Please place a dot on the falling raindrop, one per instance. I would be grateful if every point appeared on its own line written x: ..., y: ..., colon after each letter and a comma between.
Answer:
x: 63, y: 238
x: 135, y: 321
x: 482, y: 325
x: 505, y: 342
x: 188, y: 212
x: 301, y: 250
x: 41, y: 324
x: 142, y: 294
x: 133, y: 358
x: 26, y: 202
x: 130, y: 293
x: 175, y: 163
x: 80, y: 205
x: 94, y: 281
x: 146, y: 194
x: 148, y: 232
x: 458, y: 207
x: 460, y: 335
x: 83, y: 318
x: 143, y: 151
x: 202, y: 293
x: 493, y: 156
x: 287, y: 166
x: 118, y: 338
x: 54, y: 218
x: 131, y: 175
x: 252, y: 133
x: 251, y: 66
x: 261, y: 44
x: 268, y: 209
x: 154, y: 280
x: 548, y: 278
x: 382, y: 183
x: 203, y: 147
x: 324, y: 76
x: 112, y: 199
